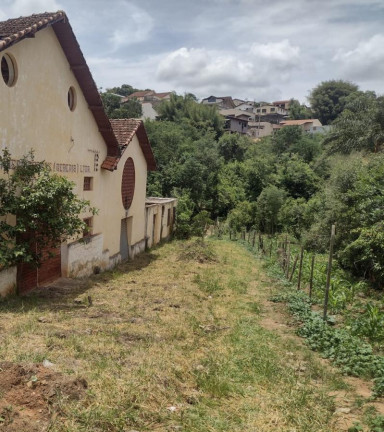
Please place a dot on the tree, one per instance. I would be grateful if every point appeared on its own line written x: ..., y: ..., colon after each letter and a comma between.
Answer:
x: 232, y: 147
x: 186, y: 109
x: 114, y: 109
x: 298, y: 111
x: 123, y: 90
x: 360, y: 126
x: 36, y: 208
x: 242, y: 216
x: 129, y: 109
x: 328, y: 99
x: 269, y: 203
x: 298, y: 178
x: 284, y: 138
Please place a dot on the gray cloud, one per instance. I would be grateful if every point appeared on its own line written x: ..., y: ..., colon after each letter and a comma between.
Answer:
x: 365, y: 62
x: 246, y: 48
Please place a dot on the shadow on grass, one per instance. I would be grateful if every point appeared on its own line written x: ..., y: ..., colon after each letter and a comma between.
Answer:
x: 60, y: 294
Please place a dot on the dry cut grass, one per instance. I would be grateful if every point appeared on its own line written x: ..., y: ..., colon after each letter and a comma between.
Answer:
x: 171, y: 342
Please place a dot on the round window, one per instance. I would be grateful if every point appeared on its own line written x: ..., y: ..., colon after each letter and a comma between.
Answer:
x: 8, y: 70
x: 72, y: 98
x: 128, y: 183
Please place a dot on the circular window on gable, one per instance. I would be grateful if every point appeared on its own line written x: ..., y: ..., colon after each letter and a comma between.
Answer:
x: 8, y: 70
x: 72, y: 98
x: 128, y: 183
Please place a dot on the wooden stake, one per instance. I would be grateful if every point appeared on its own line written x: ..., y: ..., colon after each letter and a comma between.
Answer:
x: 288, y: 259
x: 311, y: 277
x: 293, y: 268
x: 300, y: 268
x: 329, y: 270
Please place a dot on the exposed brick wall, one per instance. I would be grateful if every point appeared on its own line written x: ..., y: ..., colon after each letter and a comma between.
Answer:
x: 29, y: 277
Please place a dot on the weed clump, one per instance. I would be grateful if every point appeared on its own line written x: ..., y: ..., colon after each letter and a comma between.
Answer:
x: 354, y: 356
x: 199, y: 251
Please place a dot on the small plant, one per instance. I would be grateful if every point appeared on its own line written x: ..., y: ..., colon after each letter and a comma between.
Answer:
x: 208, y: 282
x: 357, y: 427
x: 198, y: 251
x: 370, y: 324
x: 347, y: 351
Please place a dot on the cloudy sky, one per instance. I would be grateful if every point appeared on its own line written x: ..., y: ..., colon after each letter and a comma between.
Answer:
x: 249, y: 49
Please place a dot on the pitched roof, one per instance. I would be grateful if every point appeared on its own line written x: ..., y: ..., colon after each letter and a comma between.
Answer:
x: 15, y: 30
x: 125, y: 130
x: 296, y: 122
x: 235, y: 112
x: 142, y: 93
x: 162, y: 95
x: 281, y: 102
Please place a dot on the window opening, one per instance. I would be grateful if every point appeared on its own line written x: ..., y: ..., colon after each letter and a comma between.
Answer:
x: 8, y: 70
x: 87, y: 186
x: 71, y: 98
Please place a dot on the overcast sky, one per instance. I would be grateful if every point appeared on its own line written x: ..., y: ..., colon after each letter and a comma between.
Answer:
x: 249, y: 49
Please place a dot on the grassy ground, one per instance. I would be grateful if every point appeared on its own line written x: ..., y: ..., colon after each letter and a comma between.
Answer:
x: 173, y: 341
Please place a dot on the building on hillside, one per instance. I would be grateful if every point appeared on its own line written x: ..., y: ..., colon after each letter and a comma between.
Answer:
x: 50, y: 103
x: 284, y: 104
x: 246, y: 106
x: 236, y: 121
x: 222, y: 102
x: 307, y: 125
x: 259, y: 129
x: 270, y: 113
x: 238, y: 102
x: 139, y: 95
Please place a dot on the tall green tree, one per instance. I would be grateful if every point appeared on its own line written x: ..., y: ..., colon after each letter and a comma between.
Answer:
x: 123, y: 90
x: 115, y: 109
x: 360, y: 126
x: 328, y: 99
x: 298, y: 111
x: 186, y: 109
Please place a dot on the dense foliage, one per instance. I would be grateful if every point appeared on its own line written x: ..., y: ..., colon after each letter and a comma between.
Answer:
x: 293, y: 181
x: 112, y: 101
x: 36, y: 208
x: 328, y: 99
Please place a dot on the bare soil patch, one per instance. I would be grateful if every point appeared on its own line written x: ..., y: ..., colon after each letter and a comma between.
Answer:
x: 29, y: 396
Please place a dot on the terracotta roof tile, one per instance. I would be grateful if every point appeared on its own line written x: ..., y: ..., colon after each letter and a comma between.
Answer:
x: 125, y: 130
x: 162, y: 95
x: 110, y: 163
x: 296, y: 122
x: 15, y: 30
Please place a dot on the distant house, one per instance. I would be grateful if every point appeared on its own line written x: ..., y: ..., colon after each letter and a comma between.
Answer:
x: 162, y: 96
x: 270, y: 113
x: 139, y: 95
x: 308, y: 125
x: 238, y: 102
x: 236, y: 121
x: 282, y: 104
x: 222, y: 102
x: 259, y: 129
x: 246, y: 106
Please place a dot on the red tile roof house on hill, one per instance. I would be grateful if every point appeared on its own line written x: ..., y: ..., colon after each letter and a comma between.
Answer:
x: 50, y: 103
x: 308, y: 125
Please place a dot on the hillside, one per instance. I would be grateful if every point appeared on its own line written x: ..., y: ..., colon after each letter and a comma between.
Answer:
x: 182, y: 338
